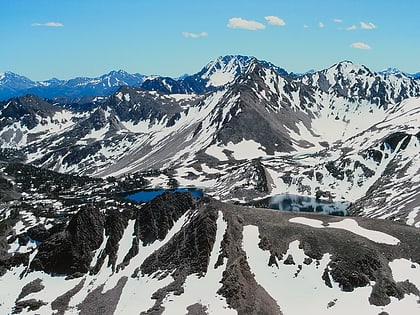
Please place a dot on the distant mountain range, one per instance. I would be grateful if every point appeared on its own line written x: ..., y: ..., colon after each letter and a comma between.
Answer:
x: 13, y: 85
x: 82, y: 89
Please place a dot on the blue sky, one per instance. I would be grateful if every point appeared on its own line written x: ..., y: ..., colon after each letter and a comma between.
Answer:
x: 66, y: 38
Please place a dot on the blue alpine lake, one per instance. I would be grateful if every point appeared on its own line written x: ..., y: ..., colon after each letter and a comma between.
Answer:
x: 290, y: 202
x: 286, y: 202
x: 146, y: 195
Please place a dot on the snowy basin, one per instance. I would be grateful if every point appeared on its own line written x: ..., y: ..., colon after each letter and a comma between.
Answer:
x: 289, y: 202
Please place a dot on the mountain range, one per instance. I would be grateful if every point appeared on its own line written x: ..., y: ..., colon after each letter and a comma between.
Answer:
x: 249, y: 135
x: 14, y: 85
x: 215, y: 74
x: 340, y: 130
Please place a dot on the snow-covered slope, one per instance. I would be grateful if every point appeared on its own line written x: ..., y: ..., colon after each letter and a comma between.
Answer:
x: 28, y: 120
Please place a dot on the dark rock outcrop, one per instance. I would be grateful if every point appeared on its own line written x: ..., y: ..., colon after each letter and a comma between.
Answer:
x: 157, y: 217
x: 115, y: 224
x: 31, y: 287
x: 71, y: 251
x: 192, y: 246
x: 31, y: 305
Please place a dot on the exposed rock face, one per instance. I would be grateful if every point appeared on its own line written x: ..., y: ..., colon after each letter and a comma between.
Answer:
x: 156, y: 217
x: 102, y: 303
x: 28, y: 109
x: 355, y: 261
x: 61, y: 303
x: 31, y: 287
x: 115, y: 224
x: 71, y: 251
x: 7, y: 262
x: 251, y: 110
x: 73, y: 90
x: 193, y: 248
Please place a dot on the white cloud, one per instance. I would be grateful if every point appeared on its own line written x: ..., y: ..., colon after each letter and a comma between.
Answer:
x: 275, y: 20
x: 338, y: 20
x: 321, y: 25
x: 367, y: 26
x: 245, y: 24
x: 193, y: 35
x: 305, y: 26
x: 49, y: 24
x: 351, y: 28
x: 360, y: 45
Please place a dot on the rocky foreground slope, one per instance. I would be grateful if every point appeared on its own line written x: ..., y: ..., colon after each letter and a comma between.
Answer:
x: 178, y: 255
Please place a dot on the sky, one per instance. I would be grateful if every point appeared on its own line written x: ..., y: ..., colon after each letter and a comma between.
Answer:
x: 42, y: 39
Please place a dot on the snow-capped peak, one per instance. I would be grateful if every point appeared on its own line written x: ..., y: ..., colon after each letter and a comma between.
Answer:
x: 347, y: 67
x: 224, y: 69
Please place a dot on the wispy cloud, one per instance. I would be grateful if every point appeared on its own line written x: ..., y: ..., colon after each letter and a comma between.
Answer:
x: 194, y: 35
x: 49, y: 24
x: 360, y: 45
x: 245, y: 24
x: 338, y: 20
x: 305, y: 26
x: 321, y: 25
x: 351, y: 28
x: 275, y: 20
x: 367, y: 26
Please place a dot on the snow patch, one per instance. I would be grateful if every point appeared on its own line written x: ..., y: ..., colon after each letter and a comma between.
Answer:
x: 351, y: 226
x: 246, y: 149
x: 404, y: 269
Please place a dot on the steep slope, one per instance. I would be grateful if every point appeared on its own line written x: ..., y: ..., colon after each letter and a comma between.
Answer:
x: 179, y: 255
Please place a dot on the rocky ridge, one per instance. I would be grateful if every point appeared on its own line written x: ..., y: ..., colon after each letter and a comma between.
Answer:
x: 100, y: 258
